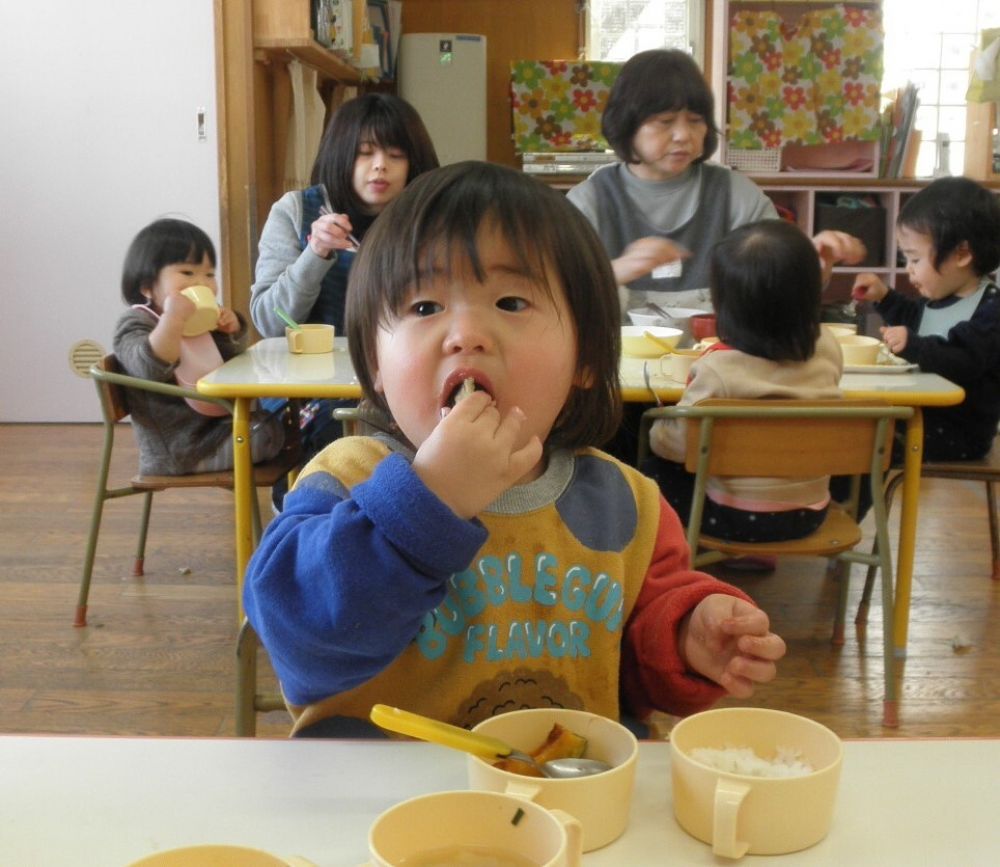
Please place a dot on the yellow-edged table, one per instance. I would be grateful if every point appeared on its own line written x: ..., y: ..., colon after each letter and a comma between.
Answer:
x: 268, y: 369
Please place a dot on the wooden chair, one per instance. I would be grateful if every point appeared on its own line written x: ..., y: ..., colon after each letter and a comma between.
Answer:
x: 112, y: 389
x: 788, y: 438
x: 249, y: 701
x: 986, y: 470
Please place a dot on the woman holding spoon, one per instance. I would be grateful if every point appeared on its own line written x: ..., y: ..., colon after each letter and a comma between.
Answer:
x: 372, y: 148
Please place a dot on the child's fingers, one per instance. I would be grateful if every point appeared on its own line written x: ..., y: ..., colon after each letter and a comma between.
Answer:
x: 524, y: 458
x: 751, y: 621
x: 769, y: 647
x: 742, y: 674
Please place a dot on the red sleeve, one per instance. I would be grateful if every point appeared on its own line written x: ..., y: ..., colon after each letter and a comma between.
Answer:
x: 653, y: 676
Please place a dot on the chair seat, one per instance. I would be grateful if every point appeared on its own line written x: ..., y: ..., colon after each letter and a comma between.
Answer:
x: 974, y: 471
x: 265, y: 474
x: 837, y: 533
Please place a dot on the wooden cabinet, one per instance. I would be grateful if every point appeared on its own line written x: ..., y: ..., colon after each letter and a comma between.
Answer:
x: 810, y: 200
x: 282, y: 29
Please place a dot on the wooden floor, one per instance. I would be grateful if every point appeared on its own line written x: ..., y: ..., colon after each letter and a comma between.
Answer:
x: 157, y: 656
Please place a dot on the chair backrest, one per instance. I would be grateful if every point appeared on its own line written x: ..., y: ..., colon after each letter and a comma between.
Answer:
x: 114, y: 398
x: 788, y: 438
x: 113, y: 385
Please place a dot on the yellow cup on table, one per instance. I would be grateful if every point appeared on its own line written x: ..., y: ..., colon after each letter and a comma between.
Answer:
x: 218, y: 856
x: 677, y: 365
x: 206, y: 311
x: 474, y: 827
x: 602, y: 802
x: 752, y: 810
x: 859, y: 349
x: 310, y: 338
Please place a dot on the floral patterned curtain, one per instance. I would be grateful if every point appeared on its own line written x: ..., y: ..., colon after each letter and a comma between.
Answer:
x: 815, y: 81
x: 557, y: 104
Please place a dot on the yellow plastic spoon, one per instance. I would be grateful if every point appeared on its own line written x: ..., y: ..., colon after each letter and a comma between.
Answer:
x: 659, y: 341
x: 426, y: 729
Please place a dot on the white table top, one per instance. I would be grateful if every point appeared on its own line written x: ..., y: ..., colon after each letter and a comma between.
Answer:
x: 268, y: 369
x: 105, y: 802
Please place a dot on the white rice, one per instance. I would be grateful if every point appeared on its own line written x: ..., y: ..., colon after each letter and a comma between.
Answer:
x: 743, y: 760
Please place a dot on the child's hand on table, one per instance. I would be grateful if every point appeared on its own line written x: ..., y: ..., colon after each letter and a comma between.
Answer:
x: 474, y: 455
x: 729, y: 641
x: 228, y: 323
x: 895, y: 337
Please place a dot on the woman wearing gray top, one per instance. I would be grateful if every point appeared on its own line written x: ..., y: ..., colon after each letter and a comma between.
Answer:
x: 661, y: 209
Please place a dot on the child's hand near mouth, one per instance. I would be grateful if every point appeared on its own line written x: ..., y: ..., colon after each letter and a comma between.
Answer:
x: 474, y: 454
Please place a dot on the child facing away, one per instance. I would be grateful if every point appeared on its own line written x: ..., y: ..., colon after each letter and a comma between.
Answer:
x: 482, y: 555
x: 166, y: 257
x: 765, y: 283
x: 949, y: 233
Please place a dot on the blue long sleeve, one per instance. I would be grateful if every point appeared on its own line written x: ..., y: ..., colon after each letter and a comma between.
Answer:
x: 343, y: 577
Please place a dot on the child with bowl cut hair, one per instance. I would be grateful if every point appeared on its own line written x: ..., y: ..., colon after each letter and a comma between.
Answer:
x: 481, y: 554
x: 175, y: 437
x: 949, y: 233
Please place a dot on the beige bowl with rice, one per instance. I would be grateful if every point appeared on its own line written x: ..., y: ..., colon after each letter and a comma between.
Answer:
x: 754, y: 780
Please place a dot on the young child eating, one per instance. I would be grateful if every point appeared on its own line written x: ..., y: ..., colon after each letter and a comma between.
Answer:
x: 482, y: 555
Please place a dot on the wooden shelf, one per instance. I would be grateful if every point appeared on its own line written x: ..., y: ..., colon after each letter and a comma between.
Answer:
x: 311, y: 53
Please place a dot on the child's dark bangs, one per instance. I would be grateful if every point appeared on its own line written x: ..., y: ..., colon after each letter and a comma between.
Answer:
x: 452, y: 232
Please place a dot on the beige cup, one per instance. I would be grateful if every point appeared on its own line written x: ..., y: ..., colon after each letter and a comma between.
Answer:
x: 677, y: 365
x: 206, y: 312
x: 308, y: 338
x: 601, y: 802
x: 858, y: 349
x: 218, y: 856
x: 737, y: 813
x: 438, y: 829
x: 840, y: 329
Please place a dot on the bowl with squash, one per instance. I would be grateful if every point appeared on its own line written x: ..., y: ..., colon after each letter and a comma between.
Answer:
x: 601, y: 802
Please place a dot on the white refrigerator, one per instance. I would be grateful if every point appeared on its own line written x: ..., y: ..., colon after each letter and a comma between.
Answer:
x: 443, y: 76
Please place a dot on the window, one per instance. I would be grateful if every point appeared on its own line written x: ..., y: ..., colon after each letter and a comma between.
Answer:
x: 617, y: 29
x: 930, y: 43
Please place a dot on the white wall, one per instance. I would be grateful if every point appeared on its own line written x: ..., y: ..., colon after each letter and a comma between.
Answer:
x: 98, y: 137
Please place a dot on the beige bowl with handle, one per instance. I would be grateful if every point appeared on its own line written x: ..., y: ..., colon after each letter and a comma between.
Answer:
x: 601, y: 802
x: 737, y: 813
x: 206, y: 311
x: 219, y: 856
x: 677, y: 365
x: 859, y: 349
x: 473, y: 827
x: 310, y: 338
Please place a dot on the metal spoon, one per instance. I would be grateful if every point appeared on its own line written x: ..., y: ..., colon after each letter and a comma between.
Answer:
x: 426, y: 729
